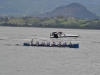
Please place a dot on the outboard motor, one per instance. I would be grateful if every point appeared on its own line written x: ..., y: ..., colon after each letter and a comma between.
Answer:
x: 55, y: 35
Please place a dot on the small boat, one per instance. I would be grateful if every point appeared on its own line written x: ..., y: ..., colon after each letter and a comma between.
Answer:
x: 61, y: 35
x: 43, y: 45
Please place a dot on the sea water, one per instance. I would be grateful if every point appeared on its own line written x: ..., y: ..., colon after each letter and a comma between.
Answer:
x: 16, y: 59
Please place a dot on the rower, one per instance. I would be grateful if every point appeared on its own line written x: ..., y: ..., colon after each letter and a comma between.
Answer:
x: 42, y: 43
x: 70, y: 43
x: 37, y: 43
x: 65, y: 44
x: 53, y: 44
x: 59, y: 44
x: 48, y: 43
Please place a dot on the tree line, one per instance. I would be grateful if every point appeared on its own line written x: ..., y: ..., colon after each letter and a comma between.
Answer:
x: 57, y: 23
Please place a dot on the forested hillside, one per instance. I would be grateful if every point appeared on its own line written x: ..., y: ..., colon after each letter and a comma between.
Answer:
x: 59, y: 22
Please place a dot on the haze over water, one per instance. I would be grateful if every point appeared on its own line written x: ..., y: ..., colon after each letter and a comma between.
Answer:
x: 21, y: 60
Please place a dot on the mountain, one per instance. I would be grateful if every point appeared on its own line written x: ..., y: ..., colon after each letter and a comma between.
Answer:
x: 75, y: 10
x: 36, y: 7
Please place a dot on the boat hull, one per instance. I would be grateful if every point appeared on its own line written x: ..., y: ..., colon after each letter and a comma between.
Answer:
x: 70, y: 46
x: 61, y: 35
x: 64, y: 36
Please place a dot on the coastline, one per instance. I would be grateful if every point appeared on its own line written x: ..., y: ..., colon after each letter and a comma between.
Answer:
x: 51, y: 27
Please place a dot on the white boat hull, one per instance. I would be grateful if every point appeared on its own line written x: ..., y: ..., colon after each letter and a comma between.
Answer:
x: 65, y: 36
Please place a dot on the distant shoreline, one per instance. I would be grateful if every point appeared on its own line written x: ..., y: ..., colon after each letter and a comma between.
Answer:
x: 65, y: 23
x: 48, y: 27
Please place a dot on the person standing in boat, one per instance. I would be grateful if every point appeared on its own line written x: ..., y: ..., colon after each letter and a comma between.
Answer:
x: 31, y: 41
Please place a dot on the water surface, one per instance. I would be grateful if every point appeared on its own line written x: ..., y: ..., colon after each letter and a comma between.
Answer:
x: 20, y: 60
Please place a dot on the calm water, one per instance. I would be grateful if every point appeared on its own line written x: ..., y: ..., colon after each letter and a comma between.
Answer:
x: 20, y: 60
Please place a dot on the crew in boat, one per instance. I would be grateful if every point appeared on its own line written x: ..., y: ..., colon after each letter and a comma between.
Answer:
x: 60, y: 33
x: 43, y: 43
x: 53, y: 44
x: 65, y: 44
x: 48, y: 43
x: 70, y: 43
x: 59, y: 44
x: 31, y: 41
x: 37, y: 43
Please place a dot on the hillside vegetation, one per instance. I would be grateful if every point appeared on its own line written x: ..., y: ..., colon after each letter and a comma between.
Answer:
x: 58, y: 22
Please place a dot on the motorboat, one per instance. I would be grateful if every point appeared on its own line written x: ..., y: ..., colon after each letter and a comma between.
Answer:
x: 61, y: 35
